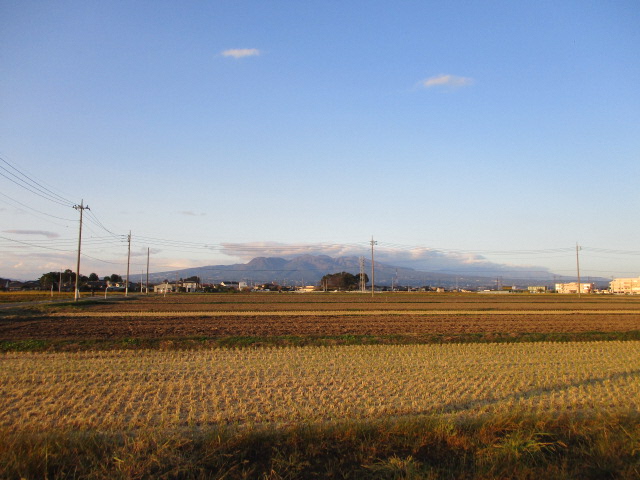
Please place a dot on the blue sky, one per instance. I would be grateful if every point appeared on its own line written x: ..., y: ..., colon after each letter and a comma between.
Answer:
x: 493, y: 131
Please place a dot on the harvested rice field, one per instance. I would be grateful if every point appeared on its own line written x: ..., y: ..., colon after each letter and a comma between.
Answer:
x: 152, y: 388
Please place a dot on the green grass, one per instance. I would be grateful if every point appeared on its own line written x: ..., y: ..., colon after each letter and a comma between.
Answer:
x: 181, y: 343
x: 406, y: 448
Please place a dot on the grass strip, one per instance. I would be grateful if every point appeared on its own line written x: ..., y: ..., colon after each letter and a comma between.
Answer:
x: 199, y: 342
x: 409, y: 448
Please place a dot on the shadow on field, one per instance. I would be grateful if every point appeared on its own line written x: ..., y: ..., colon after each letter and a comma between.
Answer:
x: 535, y: 392
x: 17, y: 314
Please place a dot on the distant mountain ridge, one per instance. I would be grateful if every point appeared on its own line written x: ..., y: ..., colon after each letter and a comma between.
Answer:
x: 309, y: 269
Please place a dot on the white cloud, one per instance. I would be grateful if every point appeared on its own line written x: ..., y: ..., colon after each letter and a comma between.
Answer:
x: 241, y: 52
x: 419, y: 258
x: 248, y: 251
x: 33, y: 232
x: 450, y: 81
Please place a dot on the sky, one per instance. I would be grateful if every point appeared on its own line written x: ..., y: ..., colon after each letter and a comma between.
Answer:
x: 486, y: 134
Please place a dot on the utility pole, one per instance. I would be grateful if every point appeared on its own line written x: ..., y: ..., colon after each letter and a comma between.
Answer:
x: 147, y: 286
x: 126, y: 286
x: 81, y: 208
x: 578, y: 267
x: 363, y: 283
x: 373, y: 270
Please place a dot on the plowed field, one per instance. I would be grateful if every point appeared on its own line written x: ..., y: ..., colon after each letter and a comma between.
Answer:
x: 219, y: 315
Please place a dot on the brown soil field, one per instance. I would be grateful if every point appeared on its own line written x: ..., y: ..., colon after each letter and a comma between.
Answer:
x: 219, y: 315
x: 171, y: 327
x: 352, y: 301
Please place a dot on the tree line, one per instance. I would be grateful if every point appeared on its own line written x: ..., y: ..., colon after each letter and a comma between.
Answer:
x: 342, y: 281
x: 68, y: 277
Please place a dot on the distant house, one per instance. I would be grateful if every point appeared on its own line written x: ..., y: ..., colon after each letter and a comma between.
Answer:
x: 190, y: 286
x: 97, y: 284
x: 572, y: 287
x: 625, y: 285
x: 537, y: 289
x: 307, y: 289
x: 164, y: 288
x: 15, y: 286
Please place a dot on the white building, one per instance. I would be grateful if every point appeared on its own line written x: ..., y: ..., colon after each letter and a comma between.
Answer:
x: 572, y: 287
x: 625, y: 285
x: 164, y: 288
x: 190, y: 286
x: 537, y: 289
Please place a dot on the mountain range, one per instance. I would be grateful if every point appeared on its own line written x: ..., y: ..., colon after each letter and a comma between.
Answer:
x: 309, y: 269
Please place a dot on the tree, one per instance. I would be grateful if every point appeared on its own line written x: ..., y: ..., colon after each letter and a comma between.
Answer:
x: 93, y: 277
x: 52, y: 279
x: 115, y: 278
x: 49, y: 280
x: 341, y: 281
x: 68, y: 276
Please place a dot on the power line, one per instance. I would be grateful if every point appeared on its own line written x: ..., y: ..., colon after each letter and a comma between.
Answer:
x: 37, y: 246
x: 23, y: 180
x: 94, y: 219
x: 8, y: 198
x: 45, y: 189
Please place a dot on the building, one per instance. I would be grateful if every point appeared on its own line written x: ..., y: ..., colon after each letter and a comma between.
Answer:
x: 625, y: 285
x: 164, y: 288
x: 572, y: 287
x: 190, y: 286
x: 306, y: 289
x: 537, y: 289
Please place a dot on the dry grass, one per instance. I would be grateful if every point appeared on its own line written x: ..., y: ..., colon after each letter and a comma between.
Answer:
x: 133, y: 389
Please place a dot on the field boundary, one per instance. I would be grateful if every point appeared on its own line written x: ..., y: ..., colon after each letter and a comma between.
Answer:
x: 328, y: 313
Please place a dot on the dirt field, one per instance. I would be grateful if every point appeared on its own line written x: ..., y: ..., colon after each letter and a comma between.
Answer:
x: 188, y: 315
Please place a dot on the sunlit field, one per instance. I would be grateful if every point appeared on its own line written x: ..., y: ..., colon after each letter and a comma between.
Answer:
x: 136, y: 389
x: 328, y: 386
x: 221, y: 319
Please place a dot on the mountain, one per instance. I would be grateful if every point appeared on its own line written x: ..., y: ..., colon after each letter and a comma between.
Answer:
x: 309, y: 269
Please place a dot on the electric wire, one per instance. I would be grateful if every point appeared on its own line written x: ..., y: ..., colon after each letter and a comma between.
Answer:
x: 21, y: 183
x: 94, y: 219
x: 8, y: 199
x: 31, y: 181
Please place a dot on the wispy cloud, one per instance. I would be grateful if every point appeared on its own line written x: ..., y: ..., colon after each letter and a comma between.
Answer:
x: 44, y: 233
x: 142, y: 252
x: 241, y: 52
x: 445, y: 80
x: 191, y: 213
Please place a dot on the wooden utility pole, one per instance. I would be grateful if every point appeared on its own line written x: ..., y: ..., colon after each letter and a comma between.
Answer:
x: 147, y: 287
x: 578, y: 267
x: 81, y: 208
x: 373, y: 270
x: 126, y: 285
